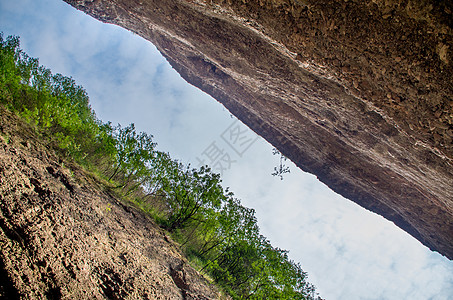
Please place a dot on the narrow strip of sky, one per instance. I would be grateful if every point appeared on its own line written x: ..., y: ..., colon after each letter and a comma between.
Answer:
x: 348, y: 252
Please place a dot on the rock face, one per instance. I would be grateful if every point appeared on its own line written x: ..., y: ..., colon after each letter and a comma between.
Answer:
x: 62, y: 236
x: 358, y: 93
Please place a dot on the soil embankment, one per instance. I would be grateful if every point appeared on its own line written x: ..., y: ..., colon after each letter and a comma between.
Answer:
x: 63, y: 235
x: 358, y: 93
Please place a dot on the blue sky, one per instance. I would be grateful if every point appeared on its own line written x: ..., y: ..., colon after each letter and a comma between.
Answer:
x: 348, y: 252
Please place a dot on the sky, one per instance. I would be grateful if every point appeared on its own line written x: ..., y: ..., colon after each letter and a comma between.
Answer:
x: 348, y: 252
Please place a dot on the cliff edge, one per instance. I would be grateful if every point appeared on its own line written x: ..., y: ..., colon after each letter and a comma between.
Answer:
x: 358, y: 93
x: 63, y: 235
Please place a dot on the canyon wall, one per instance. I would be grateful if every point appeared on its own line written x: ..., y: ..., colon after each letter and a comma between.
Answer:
x: 358, y: 93
x: 64, y: 235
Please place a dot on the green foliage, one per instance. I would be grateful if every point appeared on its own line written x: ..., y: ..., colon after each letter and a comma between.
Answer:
x: 212, y: 226
x: 52, y: 102
x: 191, y: 195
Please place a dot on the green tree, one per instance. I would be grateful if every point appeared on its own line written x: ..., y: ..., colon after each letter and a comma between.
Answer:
x: 134, y: 154
x: 191, y: 203
x: 190, y: 193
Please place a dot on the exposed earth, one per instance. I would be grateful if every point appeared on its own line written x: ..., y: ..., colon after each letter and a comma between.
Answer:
x: 358, y: 93
x: 63, y: 235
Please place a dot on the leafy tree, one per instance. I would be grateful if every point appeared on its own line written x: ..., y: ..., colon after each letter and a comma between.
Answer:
x: 134, y: 154
x: 190, y: 193
x: 191, y: 203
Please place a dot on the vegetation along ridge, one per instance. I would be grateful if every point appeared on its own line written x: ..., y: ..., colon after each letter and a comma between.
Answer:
x: 220, y: 237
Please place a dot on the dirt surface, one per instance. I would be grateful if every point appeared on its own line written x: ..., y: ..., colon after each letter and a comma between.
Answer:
x: 63, y: 236
x: 358, y: 93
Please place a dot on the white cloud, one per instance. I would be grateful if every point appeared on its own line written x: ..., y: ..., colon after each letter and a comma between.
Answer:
x: 348, y: 252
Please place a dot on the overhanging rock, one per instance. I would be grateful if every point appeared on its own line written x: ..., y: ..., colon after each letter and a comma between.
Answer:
x: 358, y: 93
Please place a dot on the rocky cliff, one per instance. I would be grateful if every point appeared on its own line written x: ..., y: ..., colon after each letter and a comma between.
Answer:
x: 358, y: 93
x: 63, y: 236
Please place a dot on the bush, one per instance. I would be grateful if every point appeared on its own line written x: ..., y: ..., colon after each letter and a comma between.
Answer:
x: 212, y: 225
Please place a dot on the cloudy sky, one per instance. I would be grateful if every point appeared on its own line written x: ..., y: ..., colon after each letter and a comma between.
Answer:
x: 349, y: 253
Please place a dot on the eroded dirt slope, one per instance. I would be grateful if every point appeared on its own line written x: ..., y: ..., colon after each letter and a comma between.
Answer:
x: 358, y: 93
x: 62, y: 236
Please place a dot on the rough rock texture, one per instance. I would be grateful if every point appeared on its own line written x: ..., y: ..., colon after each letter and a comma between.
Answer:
x: 63, y: 237
x: 356, y: 92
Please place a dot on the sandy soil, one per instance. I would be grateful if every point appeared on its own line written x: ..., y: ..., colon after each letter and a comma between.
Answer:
x: 62, y: 235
